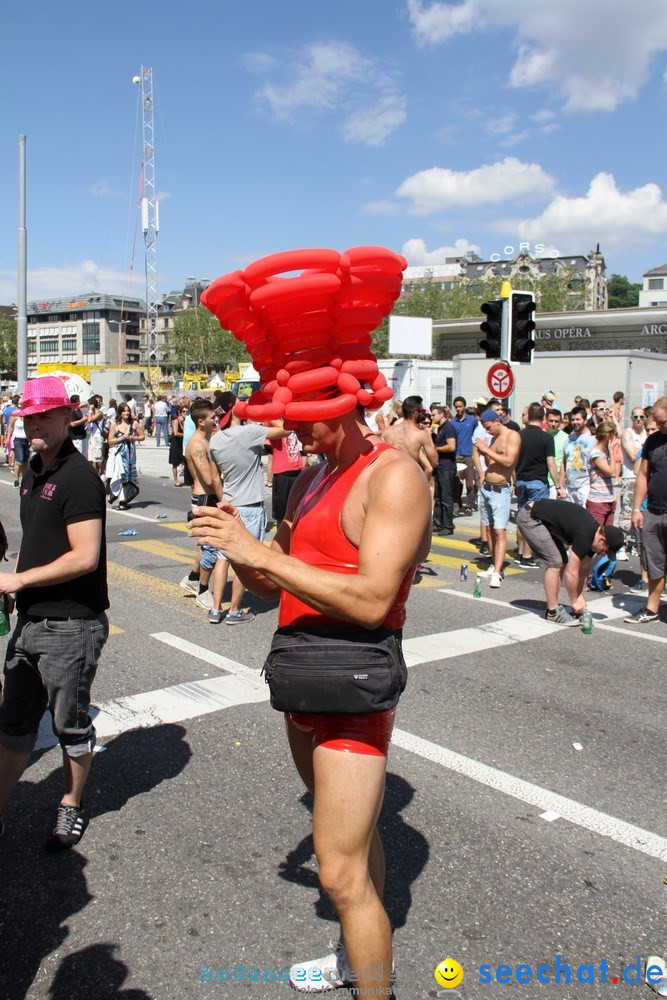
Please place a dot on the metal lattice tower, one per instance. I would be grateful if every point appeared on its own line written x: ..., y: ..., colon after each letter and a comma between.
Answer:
x: 150, y: 224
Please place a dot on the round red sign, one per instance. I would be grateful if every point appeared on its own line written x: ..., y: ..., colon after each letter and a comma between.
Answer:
x: 500, y: 380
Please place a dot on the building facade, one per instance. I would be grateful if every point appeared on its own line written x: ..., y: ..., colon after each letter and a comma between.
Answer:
x: 654, y: 291
x: 92, y: 330
x: 587, y: 280
x: 602, y: 330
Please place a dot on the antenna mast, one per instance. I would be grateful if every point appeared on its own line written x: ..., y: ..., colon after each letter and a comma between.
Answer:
x: 150, y: 222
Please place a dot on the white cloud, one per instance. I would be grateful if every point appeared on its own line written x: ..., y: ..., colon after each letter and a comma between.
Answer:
x: 70, y: 279
x: 603, y: 215
x: 372, y: 125
x: 595, y: 54
x: 383, y: 206
x: 438, y: 188
x: 101, y: 189
x: 416, y: 254
x: 332, y: 77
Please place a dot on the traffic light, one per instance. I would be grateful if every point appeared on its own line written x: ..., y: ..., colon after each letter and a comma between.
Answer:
x: 491, y: 327
x: 522, y: 324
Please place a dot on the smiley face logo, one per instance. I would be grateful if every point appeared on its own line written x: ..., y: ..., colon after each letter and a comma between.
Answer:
x: 449, y: 973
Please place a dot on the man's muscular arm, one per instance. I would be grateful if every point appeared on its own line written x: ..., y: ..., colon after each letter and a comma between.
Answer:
x: 398, y: 507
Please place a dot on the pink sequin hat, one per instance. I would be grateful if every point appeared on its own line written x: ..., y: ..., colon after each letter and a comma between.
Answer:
x: 42, y: 394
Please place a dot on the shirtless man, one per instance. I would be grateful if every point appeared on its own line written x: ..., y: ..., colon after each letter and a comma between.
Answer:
x: 206, y: 491
x: 496, y: 487
x: 409, y: 436
x: 330, y: 563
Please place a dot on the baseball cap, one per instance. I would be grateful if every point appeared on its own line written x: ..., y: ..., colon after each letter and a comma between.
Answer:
x: 615, y: 538
x: 488, y: 416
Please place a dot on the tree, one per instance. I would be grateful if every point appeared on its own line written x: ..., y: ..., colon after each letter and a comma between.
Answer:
x: 7, y: 345
x: 622, y: 294
x: 198, y: 341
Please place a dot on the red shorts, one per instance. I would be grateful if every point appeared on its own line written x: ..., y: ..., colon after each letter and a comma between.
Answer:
x: 367, y: 734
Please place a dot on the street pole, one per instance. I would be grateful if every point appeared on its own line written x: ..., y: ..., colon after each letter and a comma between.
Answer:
x: 505, y: 294
x: 22, y: 318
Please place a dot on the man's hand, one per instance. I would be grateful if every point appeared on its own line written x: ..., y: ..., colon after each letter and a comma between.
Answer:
x: 221, y: 527
x: 637, y: 520
x: 10, y: 583
x: 579, y: 605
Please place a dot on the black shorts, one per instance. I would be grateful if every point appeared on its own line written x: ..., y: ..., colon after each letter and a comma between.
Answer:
x: 280, y: 491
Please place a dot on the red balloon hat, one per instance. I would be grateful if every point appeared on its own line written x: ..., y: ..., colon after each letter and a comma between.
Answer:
x: 310, y: 333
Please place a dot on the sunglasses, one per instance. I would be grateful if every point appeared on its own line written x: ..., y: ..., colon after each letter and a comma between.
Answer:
x: 639, y: 416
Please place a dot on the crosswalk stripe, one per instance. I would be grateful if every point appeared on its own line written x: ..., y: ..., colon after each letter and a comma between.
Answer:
x: 540, y: 798
x: 452, y: 542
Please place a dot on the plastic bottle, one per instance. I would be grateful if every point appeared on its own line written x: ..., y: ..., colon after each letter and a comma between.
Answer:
x: 477, y: 592
x: 587, y: 623
x: 463, y: 575
x: 4, y: 616
x: 130, y: 532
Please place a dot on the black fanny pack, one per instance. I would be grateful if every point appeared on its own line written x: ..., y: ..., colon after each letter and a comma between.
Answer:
x: 338, y: 670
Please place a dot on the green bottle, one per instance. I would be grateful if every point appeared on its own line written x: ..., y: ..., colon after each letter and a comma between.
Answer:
x: 4, y: 616
x: 477, y: 592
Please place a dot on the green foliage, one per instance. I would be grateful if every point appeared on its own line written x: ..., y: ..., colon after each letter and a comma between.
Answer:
x: 198, y: 341
x: 7, y: 346
x: 622, y: 293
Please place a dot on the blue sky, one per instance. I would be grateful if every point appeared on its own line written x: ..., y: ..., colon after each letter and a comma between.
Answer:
x: 429, y: 127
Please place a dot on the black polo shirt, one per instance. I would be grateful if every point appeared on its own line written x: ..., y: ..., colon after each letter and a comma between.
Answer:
x: 67, y: 492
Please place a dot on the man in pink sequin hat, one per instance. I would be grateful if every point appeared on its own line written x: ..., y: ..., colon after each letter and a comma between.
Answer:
x: 60, y: 589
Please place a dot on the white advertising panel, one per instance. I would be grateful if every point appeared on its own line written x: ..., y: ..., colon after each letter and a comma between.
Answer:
x: 411, y: 336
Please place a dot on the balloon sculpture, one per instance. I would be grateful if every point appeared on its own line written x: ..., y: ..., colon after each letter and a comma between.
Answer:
x: 309, y: 335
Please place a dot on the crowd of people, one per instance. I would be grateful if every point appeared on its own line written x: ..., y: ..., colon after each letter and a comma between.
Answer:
x: 591, y: 473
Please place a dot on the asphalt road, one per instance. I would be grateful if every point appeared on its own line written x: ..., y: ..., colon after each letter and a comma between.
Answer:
x: 524, y: 816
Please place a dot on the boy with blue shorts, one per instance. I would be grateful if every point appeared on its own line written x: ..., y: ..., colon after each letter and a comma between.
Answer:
x: 495, y: 493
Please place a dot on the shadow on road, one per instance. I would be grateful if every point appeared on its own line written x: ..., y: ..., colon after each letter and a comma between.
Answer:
x: 42, y: 891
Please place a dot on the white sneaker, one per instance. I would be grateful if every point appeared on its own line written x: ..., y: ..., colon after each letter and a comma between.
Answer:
x: 496, y: 580
x: 189, y: 586
x: 622, y: 555
x: 205, y: 600
x: 322, y: 974
x: 486, y: 573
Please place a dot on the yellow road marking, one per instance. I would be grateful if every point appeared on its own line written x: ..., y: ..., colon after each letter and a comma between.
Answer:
x: 115, y: 630
x: 473, y: 564
x: 168, y: 550
x: 148, y: 587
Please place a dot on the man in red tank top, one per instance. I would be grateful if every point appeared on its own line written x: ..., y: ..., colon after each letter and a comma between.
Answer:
x: 356, y: 527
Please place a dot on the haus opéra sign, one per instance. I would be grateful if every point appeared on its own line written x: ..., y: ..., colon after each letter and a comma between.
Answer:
x: 538, y: 250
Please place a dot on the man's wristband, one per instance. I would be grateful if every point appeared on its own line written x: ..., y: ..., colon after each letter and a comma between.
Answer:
x: 636, y: 510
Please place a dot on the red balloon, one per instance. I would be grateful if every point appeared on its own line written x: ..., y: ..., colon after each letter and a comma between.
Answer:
x: 317, y: 378
x: 290, y: 260
x: 241, y: 409
x: 364, y: 398
x: 320, y: 409
x: 362, y: 369
x: 348, y: 383
x: 376, y: 257
x: 267, y: 411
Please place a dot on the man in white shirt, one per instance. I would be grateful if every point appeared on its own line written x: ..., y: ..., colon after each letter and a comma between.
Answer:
x: 237, y: 450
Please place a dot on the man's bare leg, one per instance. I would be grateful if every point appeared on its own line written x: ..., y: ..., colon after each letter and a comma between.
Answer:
x: 301, y: 745
x: 238, y: 590
x: 75, y: 773
x: 498, y: 547
x: 219, y: 582
x: 349, y: 789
